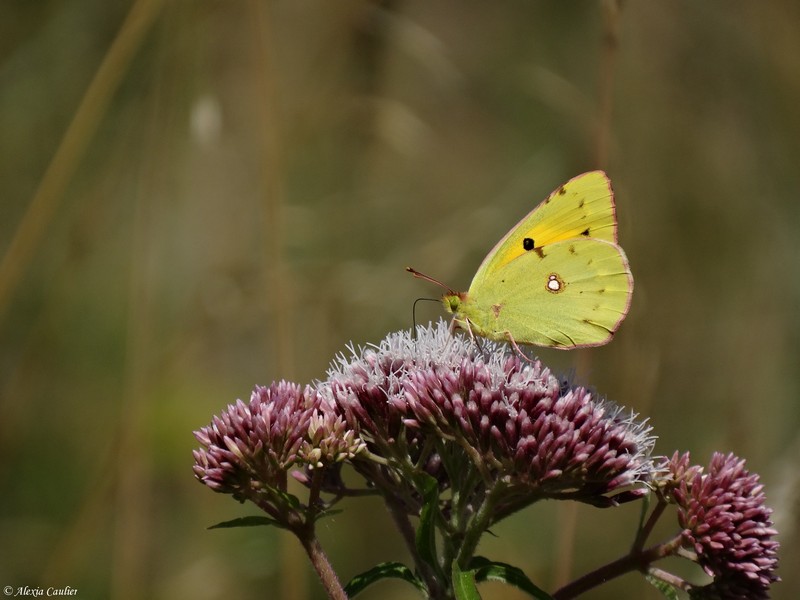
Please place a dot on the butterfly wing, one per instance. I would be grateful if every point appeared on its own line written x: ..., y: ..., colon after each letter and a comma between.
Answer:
x: 572, y: 293
x: 581, y: 208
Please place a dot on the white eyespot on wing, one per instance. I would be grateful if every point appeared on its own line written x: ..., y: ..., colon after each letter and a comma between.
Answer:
x: 555, y: 284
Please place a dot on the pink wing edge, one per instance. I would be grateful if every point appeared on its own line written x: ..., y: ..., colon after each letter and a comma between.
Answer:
x: 622, y: 315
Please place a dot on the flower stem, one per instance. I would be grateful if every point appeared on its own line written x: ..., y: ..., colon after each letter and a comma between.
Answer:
x: 669, y: 578
x: 406, y: 529
x: 644, y: 533
x: 322, y: 566
x: 635, y: 561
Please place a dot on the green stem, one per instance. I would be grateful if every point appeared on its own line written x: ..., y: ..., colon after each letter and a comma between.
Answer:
x: 478, y: 525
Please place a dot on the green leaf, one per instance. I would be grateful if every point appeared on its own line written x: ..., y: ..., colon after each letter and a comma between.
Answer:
x: 286, y: 498
x: 464, y: 584
x: 382, y: 571
x: 487, y: 570
x: 669, y: 590
x: 426, y: 532
x: 253, y: 521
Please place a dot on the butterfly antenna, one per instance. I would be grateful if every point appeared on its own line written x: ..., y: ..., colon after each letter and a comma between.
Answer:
x: 419, y: 275
x: 414, y: 314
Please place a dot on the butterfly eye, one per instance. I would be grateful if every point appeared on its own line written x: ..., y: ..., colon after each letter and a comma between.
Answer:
x: 528, y: 244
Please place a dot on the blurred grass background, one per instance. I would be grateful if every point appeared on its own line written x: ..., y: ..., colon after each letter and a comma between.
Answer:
x: 200, y: 196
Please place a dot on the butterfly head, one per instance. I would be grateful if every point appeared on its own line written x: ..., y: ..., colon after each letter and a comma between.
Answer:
x: 453, y: 301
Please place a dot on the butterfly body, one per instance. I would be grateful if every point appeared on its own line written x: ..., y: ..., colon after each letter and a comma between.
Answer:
x: 557, y: 279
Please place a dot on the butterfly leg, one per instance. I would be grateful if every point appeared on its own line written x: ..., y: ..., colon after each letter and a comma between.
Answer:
x: 457, y: 324
x: 517, y: 348
x: 454, y: 324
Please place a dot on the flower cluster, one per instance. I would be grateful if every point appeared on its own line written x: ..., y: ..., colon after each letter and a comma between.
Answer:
x: 508, y: 416
x: 248, y: 449
x: 726, y: 523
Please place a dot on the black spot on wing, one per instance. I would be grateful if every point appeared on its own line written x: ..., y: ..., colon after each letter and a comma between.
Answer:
x: 528, y: 244
x: 585, y: 232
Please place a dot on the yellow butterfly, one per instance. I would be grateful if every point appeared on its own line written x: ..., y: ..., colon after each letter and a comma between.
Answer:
x: 557, y: 279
